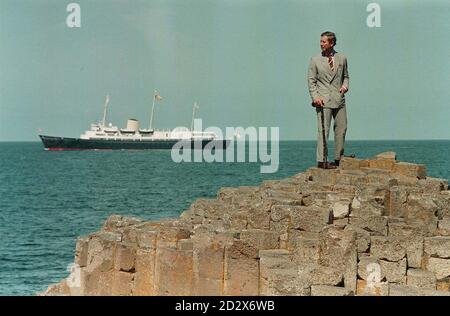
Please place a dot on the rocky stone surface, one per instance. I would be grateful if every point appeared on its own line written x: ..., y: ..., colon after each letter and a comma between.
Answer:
x: 371, y: 227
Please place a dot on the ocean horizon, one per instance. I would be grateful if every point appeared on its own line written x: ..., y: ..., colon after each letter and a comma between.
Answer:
x: 287, y: 140
x: 49, y: 199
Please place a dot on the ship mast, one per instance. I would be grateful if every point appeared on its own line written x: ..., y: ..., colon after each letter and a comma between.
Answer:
x: 156, y: 96
x: 193, y: 115
x: 104, y: 110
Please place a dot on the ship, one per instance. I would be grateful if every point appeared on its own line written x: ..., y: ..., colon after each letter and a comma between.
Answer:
x: 105, y: 136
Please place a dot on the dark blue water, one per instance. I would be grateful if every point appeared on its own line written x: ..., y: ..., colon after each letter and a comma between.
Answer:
x: 48, y: 199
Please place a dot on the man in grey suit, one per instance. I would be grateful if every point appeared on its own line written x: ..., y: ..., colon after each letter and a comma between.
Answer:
x: 328, y: 81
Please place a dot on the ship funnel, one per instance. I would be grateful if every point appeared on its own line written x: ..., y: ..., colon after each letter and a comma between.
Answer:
x: 133, y: 125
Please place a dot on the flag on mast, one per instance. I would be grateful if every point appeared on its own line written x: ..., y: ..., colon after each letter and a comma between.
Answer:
x: 157, y: 96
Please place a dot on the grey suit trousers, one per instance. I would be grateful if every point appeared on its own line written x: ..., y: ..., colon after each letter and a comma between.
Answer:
x: 340, y: 129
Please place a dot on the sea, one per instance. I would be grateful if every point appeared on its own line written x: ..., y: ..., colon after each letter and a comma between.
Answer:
x: 49, y: 199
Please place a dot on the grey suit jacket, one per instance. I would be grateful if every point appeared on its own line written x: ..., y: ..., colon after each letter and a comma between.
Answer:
x: 325, y: 83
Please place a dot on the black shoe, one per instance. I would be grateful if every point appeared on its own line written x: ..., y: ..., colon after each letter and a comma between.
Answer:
x: 325, y: 165
x: 336, y: 163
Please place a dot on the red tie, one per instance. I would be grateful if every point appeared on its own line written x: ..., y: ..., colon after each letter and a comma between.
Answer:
x: 330, y: 62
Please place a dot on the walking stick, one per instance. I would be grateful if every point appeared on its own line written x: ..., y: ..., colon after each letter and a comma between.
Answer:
x: 324, y: 140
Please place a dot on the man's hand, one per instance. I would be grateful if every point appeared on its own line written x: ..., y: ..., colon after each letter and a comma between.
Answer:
x: 318, y: 102
x: 343, y: 89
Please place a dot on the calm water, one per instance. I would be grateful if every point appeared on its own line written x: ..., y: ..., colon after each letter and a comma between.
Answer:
x: 48, y: 199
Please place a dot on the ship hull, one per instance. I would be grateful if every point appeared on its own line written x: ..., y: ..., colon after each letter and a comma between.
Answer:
x: 65, y: 143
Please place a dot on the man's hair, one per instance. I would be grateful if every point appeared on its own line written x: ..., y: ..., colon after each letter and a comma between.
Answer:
x: 331, y: 37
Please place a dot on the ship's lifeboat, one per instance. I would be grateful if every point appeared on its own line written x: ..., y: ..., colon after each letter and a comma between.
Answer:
x: 127, y: 131
x: 146, y: 131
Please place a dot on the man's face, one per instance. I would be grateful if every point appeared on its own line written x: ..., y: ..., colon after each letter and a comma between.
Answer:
x: 325, y: 44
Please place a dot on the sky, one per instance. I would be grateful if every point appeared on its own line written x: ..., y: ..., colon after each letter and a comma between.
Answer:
x: 244, y: 62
